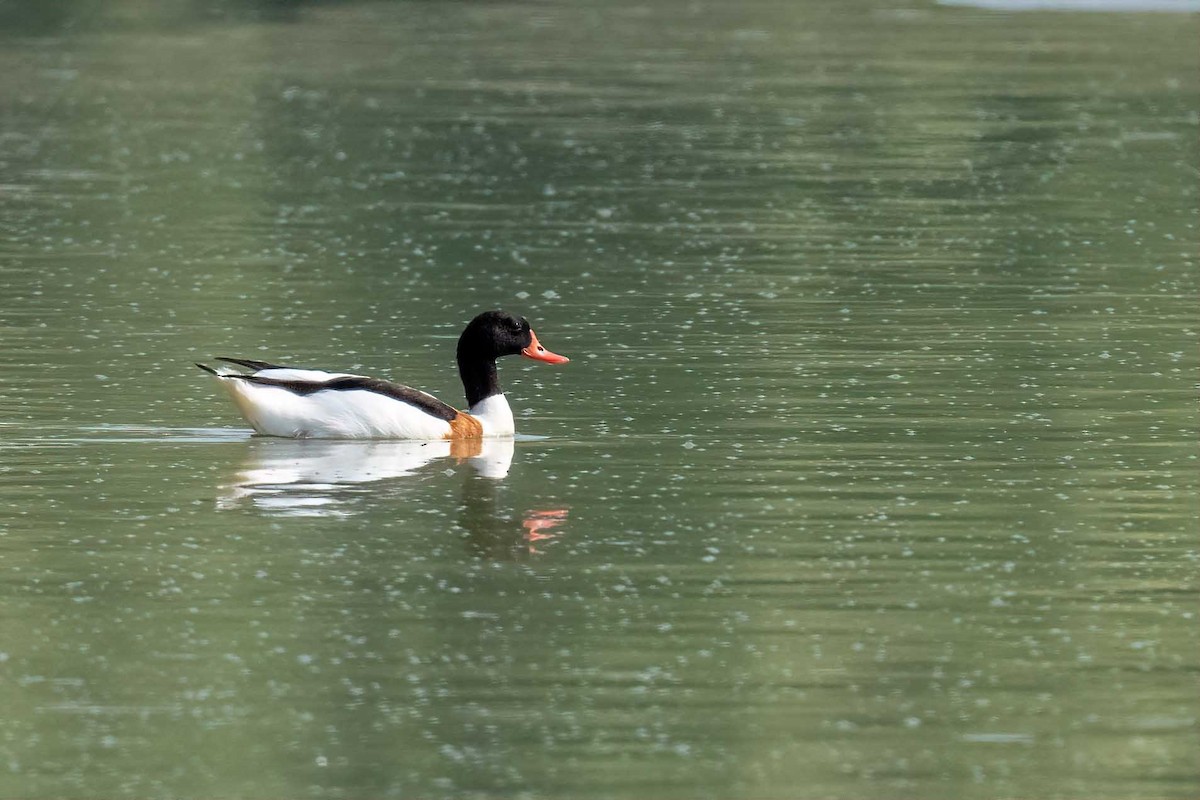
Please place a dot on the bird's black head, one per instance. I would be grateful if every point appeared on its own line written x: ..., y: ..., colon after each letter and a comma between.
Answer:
x: 494, y: 334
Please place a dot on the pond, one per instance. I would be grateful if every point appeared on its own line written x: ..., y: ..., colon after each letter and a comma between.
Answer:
x: 873, y: 472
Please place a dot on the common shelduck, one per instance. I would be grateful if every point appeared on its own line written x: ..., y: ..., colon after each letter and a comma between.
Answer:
x: 308, y: 403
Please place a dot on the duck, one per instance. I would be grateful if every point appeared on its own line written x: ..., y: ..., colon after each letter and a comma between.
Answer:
x: 315, y: 404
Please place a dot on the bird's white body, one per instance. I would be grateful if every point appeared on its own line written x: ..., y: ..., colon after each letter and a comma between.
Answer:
x: 348, y: 414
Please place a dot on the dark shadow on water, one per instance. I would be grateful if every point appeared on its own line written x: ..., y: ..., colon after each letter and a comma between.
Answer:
x: 499, y: 532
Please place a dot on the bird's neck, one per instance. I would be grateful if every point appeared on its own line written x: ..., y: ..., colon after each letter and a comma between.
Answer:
x: 479, y: 378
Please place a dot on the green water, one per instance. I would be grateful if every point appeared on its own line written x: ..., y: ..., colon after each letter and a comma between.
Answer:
x: 873, y: 474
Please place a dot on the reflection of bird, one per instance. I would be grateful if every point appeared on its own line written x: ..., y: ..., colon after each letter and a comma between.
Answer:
x: 318, y: 478
x: 305, y: 403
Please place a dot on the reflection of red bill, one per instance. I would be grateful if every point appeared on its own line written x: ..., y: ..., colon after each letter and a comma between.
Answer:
x: 539, y: 521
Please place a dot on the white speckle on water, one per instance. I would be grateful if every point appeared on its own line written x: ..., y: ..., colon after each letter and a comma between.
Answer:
x: 998, y: 738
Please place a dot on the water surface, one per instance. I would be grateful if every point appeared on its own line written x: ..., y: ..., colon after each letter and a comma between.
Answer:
x: 873, y: 474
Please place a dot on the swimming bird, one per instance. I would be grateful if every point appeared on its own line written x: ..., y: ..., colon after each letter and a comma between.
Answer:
x: 309, y: 403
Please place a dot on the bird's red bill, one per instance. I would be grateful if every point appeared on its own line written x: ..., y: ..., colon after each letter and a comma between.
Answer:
x: 539, y: 353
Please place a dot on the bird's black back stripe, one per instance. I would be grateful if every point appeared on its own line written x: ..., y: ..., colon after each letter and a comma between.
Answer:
x: 405, y: 394
x: 250, y: 363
